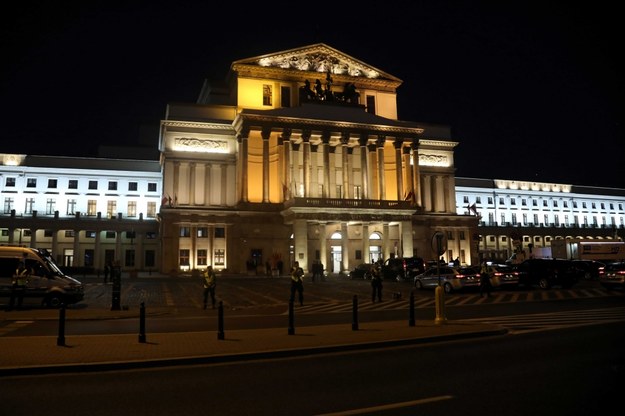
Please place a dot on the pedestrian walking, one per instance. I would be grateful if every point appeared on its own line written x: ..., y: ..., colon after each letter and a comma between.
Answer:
x: 107, y: 270
x: 210, y: 283
x: 376, y: 283
x: 485, y: 284
x: 297, y: 283
x: 18, y: 285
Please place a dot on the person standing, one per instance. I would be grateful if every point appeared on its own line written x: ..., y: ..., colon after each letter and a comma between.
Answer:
x: 376, y: 283
x: 297, y: 283
x: 210, y: 283
x: 18, y: 287
x: 485, y: 284
x: 107, y: 270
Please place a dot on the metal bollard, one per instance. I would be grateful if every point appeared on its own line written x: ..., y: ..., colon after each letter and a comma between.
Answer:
x: 291, y: 320
x: 142, y: 323
x: 220, y: 321
x: 355, y: 313
x: 411, y: 321
x: 60, y: 340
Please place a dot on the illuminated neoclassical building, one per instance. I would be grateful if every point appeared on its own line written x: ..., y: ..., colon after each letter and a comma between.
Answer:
x: 301, y: 157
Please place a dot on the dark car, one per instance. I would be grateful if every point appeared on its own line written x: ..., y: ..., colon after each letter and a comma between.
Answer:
x: 612, y: 275
x: 504, y: 276
x: 362, y: 271
x: 589, y: 268
x: 402, y: 268
x: 546, y: 273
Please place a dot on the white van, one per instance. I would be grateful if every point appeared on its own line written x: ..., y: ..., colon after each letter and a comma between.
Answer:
x: 47, y: 284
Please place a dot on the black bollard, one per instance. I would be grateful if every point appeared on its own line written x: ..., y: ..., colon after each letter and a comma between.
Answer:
x: 355, y: 313
x: 142, y: 323
x: 60, y: 341
x: 411, y: 321
x: 291, y: 320
x: 220, y: 321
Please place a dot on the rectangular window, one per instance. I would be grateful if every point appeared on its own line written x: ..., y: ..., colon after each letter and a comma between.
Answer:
x: 112, y: 186
x: 202, y: 232
x: 89, y: 255
x: 220, y: 232
x: 90, y: 234
x: 71, y: 206
x: 185, y: 232
x: 339, y: 191
x: 52, y: 183
x: 512, y: 201
x: 10, y: 182
x: 72, y: 184
x: 30, y: 203
x: 534, y: 203
x: 536, y: 219
x: 151, y: 209
x: 50, y: 206
x: 130, y: 258
x: 202, y: 258
x: 132, y: 186
x: 267, y: 94
x: 285, y: 96
x: 132, y: 209
x: 466, y: 199
x: 150, y: 258
x: 92, y: 206
x: 69, y: 233
x: 152, y: 187
x: 111, y: 208
x: 462, y: 236
x: 131, y: 235
x: 110, y: 234
x: 93, y: 185
x: 357, y: 192
x: 183, y: 257
x: 31, y: 183
x: 501, y: 201
x: 8, y: 205
x: 478, y: 200
x: 220, y: 257
x: 490, y: 200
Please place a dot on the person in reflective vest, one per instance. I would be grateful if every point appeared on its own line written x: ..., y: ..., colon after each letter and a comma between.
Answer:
x: 297, y: 283
x: 210, y: 283
x: 18, y: 287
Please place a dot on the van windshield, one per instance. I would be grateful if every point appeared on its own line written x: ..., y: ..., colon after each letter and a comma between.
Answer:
x: 45, y: 256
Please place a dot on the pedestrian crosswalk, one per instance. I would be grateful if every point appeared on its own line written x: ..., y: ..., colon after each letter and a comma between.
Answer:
x: 517, y: 324
x: 456, y: 299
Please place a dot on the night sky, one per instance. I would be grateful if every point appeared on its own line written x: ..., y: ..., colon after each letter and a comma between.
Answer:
x: 532, y: 91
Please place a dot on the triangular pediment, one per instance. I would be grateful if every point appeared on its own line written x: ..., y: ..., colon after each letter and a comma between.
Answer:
x: 317, y: 58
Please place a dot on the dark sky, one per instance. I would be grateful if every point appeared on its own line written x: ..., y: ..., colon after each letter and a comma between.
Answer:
x: 532, y: 91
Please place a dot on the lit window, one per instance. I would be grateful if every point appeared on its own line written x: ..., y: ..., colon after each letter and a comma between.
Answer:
x: 267, y: 94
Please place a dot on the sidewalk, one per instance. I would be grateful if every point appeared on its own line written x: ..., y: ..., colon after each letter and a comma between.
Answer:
x: 54, y: 354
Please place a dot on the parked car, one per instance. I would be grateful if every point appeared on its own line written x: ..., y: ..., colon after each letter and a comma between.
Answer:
x: 589, y: 268
x: 504, y: 276
x: 546, y: 273
x: 451, y: 278
x: 402, y: 268
x: 612, y: 275
x: 362, y: 271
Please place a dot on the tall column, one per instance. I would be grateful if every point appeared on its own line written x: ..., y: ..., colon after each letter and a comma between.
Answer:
x: 323, y: 249
x: 416, y: 172
x: 191, y: 183
x: 281, y: 167
x: 77, y: 258
x: 409, y: 187
x: 344, y: 247
x: 266, y: 134
x: 224, y: 185
x: 325, y: 139
x: 451, y: 194
x: 439, y: 194
x: 381, y: 182
x: 244, y: 168
x: 364, y: 168
x: 176, y: 179
x: 118, y: 247
x: 397, y: 144
x: 406, y: 239
x: 386, y: 249
x: 365, y: 243
x: 300, y: 237
x: 306, y: 161
x: 372, y: 168
x: 97, y: 257
x: 286, y: 184
x: 207, y: 183
x: 314, y: 175
x: 344, y: 163
x: 427, y: 193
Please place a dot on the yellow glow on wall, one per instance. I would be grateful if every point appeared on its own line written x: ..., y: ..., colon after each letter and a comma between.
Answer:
x: 255, y: 168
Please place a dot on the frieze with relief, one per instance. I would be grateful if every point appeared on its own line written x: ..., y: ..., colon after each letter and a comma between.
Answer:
x: 191, y: 144
x: 433, y: 160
